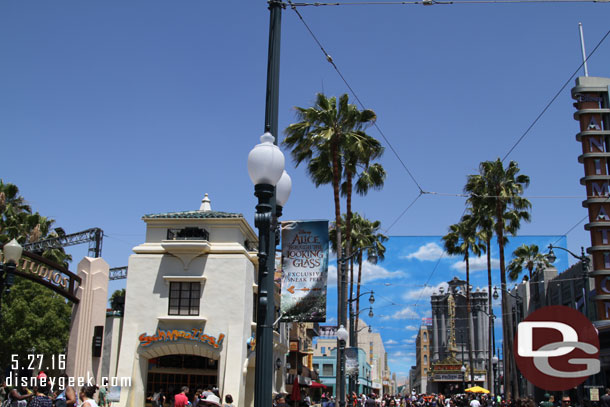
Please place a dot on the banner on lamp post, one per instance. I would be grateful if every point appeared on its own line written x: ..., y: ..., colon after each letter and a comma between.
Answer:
x: 351, y: 362
x: 304, y: 270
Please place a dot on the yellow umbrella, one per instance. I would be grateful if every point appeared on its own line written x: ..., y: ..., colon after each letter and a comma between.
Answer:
x: 477, y: 389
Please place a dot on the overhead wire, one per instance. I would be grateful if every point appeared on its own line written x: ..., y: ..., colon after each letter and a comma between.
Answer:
x: 351, y: 89
x: 435, y: 2
x: 555, y: 97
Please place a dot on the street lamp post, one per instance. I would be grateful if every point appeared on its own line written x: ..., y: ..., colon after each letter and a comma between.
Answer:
x: 585, y: 271
x: 272, y: 188
x: 342, y: 336
x: 494, y: 362
x: 265, y: 218
x: 352, y: 329
x: 11, y: 253
x: 518, y: 315
x: 463, y: 369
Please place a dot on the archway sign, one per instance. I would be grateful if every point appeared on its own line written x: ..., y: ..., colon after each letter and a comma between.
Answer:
x: 48, y: 273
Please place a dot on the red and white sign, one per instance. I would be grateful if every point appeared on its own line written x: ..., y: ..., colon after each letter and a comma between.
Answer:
x: 557, y: 348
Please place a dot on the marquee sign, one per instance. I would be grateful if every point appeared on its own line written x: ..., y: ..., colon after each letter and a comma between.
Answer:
x: 173, y: 335
x: 593, y: 114
x: 48, y: 273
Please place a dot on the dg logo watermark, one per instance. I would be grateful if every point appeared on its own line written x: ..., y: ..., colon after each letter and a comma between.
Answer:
x: 557, y: 348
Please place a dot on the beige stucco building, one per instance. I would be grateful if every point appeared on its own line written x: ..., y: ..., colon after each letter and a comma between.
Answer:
x: 189, y: 308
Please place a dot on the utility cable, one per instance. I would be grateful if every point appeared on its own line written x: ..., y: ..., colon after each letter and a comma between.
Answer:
x: 330, y: 60
x: 405, y: 211
x: 435, y: 2
x: 555, y: 97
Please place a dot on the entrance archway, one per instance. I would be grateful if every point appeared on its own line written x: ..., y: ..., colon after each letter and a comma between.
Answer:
x: 170, y: 372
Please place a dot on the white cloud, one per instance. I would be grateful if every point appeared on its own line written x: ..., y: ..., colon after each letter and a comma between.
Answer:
x: 391, y: 342
x: 401, y: 355
x: 476, y: 264
x: 414, y: 336
x: 428, y: 252
x: 405, y: 313
x: 331, y: 320
x: 424, y: 293
x: 411, y: 328
x: 370, y: 272
x: 409, y: 341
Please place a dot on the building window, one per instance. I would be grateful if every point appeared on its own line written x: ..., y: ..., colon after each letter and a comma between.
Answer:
x: 425, y: 336
x: 188, y: 234
x: 327, y: 370
x: 184, y: 298
x: 425, y: 348
x: 425, y: 359
x: 323, y: 350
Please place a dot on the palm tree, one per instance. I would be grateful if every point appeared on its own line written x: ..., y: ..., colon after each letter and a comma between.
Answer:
x: 355, y: 162
x: 117, y: 301
x: 322, y: 135
x: 527, y: 257
x: 500, y: 190
x: 357, y: 157
x: 370, y: 238
x: 462, y: 240
x: 364, y: 235
x: 483, y: 218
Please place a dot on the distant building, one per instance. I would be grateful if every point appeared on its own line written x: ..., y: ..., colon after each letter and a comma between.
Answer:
x: 327, y: 369
x: 449, y: 342
x: 422, y: 360
x: 372, y: 345
x: 569, y: 288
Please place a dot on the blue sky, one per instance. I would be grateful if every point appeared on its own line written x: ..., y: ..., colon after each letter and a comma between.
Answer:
x: 110, y: 110
x: 407, y: 277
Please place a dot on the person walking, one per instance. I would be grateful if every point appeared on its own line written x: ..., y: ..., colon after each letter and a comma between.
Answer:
x: 41, y: 397
x: 158, y: 399
x: 605, y: 399
x: 19, y: 396
x: 228, y: 401
x: 181, y: 399
x: 86, y: 394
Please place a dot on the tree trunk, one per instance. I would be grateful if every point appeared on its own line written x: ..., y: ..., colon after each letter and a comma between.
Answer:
x: 348, y: 230
x: 469, y: 316
x: 341, y: 313
x: 490, y: 378
x: 358, y: 290
x: 511, y: 388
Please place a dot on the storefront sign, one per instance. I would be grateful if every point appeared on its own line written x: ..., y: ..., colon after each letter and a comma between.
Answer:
x: 447, y: 377
x: 174, y: 335
x: 304, y: 271
x: 454, y: 377
x: 48, y: 273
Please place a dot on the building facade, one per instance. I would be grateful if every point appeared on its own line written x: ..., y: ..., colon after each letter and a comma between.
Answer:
x: 450, y: 333
x: 190, y: 308
x: 326, y: 365
x: 371, y: 344
x: 422, y: 360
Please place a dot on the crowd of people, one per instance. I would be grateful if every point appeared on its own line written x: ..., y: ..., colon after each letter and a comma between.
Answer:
x: 208, y: 397
x: 440, y: 400
x: 43, y: 395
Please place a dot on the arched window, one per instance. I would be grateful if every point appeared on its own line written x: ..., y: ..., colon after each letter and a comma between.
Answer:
x: 425, y: 336
x: 425, y: 359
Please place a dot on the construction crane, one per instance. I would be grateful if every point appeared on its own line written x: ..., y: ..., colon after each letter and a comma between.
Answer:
x: 92, y: 236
